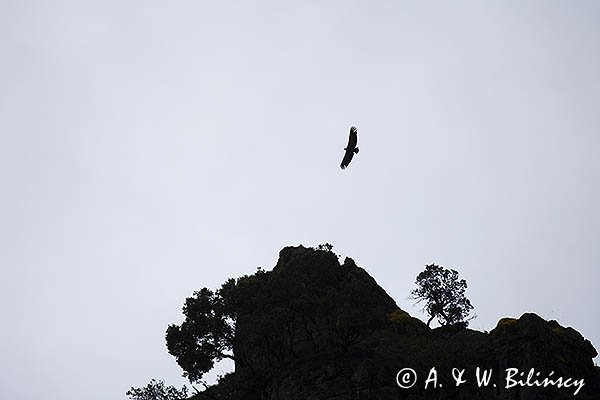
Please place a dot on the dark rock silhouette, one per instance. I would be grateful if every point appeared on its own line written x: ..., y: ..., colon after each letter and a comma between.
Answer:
x: 313, y: 328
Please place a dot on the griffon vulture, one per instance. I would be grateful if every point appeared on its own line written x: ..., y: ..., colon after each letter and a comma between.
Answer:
x: 351, y: 149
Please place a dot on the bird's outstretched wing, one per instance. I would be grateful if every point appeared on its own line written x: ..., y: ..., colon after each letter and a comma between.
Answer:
x: 347, y: 158
x: 350, y: 149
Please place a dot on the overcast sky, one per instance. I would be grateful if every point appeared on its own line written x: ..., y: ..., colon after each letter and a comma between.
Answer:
x: 151, y: 148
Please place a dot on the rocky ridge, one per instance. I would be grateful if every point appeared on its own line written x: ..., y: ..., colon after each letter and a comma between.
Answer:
x: 313, y: 329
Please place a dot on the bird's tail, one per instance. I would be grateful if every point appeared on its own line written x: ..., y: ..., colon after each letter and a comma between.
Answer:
x: 356, y: 150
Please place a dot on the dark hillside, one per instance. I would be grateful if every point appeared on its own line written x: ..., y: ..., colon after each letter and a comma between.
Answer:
x: 313, y: 328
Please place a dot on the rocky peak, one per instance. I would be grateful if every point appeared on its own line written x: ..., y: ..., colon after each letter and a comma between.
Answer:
x: 313, y: 328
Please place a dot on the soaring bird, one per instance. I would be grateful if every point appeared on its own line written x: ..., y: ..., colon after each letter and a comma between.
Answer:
x: 351, y: 148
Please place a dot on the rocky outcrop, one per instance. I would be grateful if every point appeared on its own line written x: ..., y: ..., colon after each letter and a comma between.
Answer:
x: 313, y: 328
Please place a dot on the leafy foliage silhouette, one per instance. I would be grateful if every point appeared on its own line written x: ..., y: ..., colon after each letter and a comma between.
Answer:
x: 444, y: 296
x: 157, y: 391
x: 207, y: 333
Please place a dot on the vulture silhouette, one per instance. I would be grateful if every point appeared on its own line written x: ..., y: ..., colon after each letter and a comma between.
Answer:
x: 351, y: 148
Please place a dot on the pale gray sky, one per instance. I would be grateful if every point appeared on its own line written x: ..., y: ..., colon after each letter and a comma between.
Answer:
x: 150, y: 148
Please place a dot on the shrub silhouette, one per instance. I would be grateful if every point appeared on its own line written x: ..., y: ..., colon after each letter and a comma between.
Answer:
x: 444, y: 296
x: 157, y: 391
